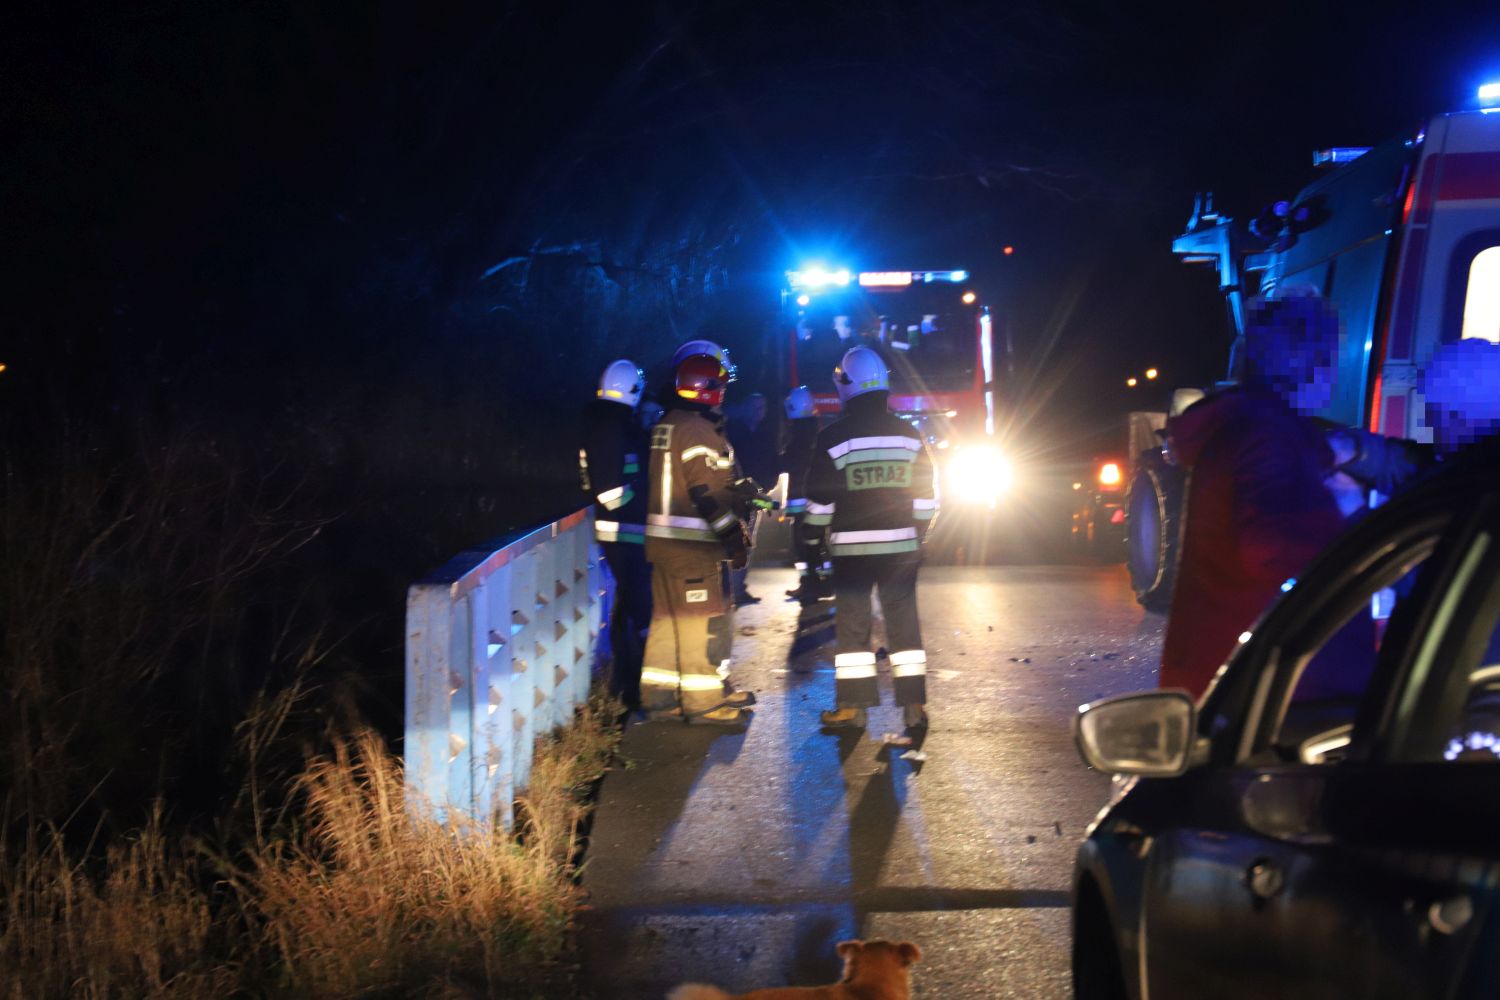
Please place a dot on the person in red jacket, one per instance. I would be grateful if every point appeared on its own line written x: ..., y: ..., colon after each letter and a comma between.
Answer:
x: 1257, y: 509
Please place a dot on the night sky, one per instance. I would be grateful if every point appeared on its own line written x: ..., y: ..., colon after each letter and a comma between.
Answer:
x: 280, y: 187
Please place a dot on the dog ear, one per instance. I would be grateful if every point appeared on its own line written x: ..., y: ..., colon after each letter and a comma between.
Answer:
x: 847, y: 948
x: 910, y: 953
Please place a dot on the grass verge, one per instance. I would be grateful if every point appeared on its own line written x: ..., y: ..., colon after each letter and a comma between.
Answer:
x: 340, y: 894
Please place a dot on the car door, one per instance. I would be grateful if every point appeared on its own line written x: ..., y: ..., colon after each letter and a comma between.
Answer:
x: 1422, y: 820
x: 1252, y: 893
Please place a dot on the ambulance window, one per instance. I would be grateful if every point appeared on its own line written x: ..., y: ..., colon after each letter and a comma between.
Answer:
x: 1482, y: 300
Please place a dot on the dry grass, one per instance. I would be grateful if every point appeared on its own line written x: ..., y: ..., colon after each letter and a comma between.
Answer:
x: 368, y: 901
x: 342, y: 895
x: 140, y: 926
x: 141, y: 599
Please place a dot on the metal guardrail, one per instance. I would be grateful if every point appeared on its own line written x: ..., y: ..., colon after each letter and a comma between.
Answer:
x: 500, y: 647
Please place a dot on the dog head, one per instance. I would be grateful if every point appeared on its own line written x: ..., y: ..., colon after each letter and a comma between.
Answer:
x: 877, y: 961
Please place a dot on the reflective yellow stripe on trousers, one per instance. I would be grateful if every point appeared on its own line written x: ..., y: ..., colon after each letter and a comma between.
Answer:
x: 656, y: 677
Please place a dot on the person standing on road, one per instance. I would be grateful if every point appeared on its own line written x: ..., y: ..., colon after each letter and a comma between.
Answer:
x: 694, y: 524
x: 870, y: 487
x: 751, y: 437
x: 796, y: 454
x: 610, y: 467
x: 1257, y: 510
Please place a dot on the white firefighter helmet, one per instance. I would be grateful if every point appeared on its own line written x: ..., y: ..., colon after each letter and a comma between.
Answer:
x: 860, y: 371
x: 622, y: 382
x: 799, y: 403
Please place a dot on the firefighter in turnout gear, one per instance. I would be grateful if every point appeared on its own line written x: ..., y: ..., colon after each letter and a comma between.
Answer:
x: 695, y: 523
x: 611, y: 466
x: 802, y: 433
x: 870, y: 487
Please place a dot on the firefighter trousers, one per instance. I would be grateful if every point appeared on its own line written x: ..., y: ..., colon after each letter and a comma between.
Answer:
x: 854, y: 578
x: 687, y: 651
x: 629, y: 618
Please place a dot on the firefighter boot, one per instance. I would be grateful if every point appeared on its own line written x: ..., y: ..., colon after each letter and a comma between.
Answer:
x: 737, y: 699
x: 724, y: 715
x: 811, y: 590
x: 843, y: 718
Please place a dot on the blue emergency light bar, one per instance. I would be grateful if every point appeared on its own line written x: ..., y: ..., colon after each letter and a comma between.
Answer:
x: 888, y: 279
x: 1338, y: 155
x: 817, y: 277
x: 1489, y: 95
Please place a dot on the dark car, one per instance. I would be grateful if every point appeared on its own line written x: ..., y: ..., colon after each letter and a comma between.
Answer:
x: 1326, y: 822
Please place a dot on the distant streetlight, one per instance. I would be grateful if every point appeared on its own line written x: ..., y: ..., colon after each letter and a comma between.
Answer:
x: 1152, y: 373
x: 1008, y: 251
x: 969, y: 298
x: 1131, y: 381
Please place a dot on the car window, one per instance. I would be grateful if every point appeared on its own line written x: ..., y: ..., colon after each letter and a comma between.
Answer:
x: 1481, y: 317
x: 1448, y: 708
x: 1466, y: 701
x: 1330, y: 663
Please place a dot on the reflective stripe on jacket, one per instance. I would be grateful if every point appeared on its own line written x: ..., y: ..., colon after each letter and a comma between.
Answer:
x: 870, y: 482
x: 611, y: 472
x: 691, y: 481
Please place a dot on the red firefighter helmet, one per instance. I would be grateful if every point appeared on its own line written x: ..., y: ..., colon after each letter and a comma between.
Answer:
x: 703, y: 372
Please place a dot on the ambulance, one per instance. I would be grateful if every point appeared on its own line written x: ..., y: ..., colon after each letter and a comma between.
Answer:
x: 1403, y: 239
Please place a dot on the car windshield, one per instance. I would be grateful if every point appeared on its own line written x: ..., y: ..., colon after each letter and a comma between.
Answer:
x: 926, y: 334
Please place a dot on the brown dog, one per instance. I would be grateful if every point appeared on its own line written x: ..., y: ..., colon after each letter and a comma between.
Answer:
x: 873, y: 970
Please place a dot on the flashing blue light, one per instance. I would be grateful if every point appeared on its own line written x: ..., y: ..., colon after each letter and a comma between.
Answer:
x: 1489, y: 94
x: 817, y: 277
x: 1338, y: 155
x: 1288, y: 584
x: 928, y: 277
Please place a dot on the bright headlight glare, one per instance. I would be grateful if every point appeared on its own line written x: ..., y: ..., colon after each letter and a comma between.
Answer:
x: 978, y: 475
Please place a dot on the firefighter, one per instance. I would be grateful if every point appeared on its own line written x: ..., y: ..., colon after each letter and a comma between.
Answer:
x: 695, y: 523
x: 870, y: 487
x: 802, y: 433
x: 611, y: 465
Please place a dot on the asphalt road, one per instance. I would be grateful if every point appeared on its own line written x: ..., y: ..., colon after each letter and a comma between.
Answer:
x: 741, y: 859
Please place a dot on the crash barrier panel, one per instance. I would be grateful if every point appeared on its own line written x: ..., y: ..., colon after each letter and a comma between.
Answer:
x: 501, y: 645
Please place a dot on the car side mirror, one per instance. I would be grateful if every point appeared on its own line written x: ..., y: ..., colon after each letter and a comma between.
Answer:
x: 1149, y: 733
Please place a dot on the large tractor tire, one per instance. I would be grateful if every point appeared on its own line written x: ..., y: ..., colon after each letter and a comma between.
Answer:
x: 1153, y: 522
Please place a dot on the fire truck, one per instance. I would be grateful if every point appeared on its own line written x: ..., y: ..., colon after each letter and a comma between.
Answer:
x: 1403, y: 239
x: 949, y: 361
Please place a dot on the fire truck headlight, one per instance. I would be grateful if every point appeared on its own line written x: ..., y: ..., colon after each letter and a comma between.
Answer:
x: 979, y: 475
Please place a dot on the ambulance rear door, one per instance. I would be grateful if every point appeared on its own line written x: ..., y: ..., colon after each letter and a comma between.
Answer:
x: 1448, y: 277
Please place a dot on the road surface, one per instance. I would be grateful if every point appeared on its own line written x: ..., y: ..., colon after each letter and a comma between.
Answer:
x: 743, y: 858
